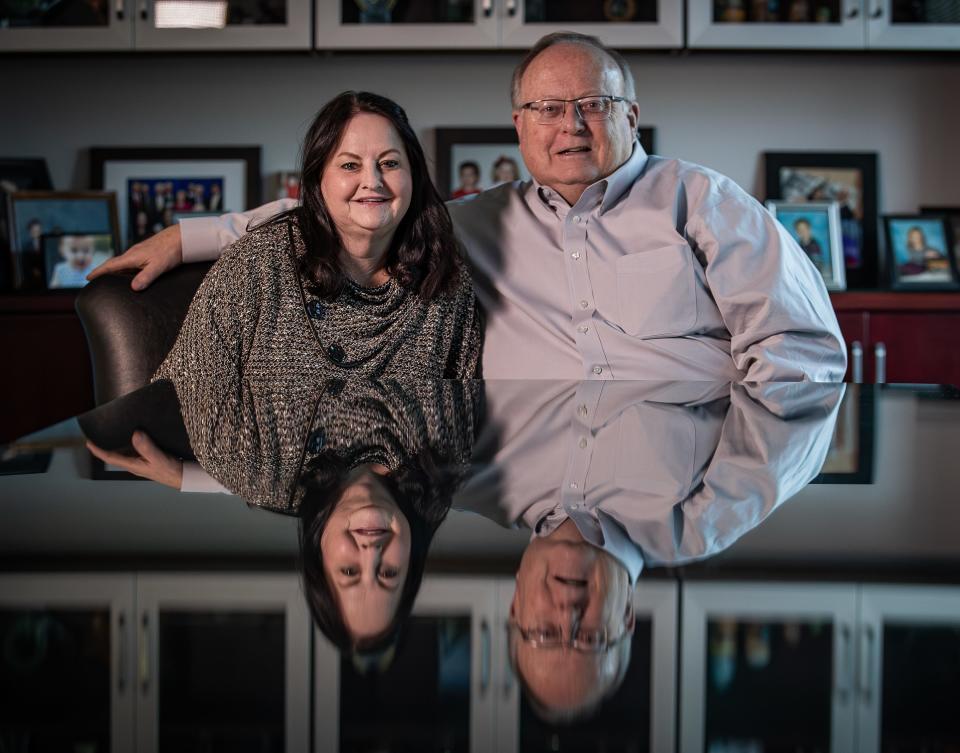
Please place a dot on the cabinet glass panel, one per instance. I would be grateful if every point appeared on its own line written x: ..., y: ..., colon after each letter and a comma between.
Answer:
x: 55, y: 680
x: 257, y: 12
x: 769, y: 685
x: 419, y: 700
x: 921, y: 667
x: 407, y: 11
x: 579, y: 12
x: 622, y: 724
x: 23, y: 14
x: 925, y: 12
x: 777, y: 11
x: 221, y: 681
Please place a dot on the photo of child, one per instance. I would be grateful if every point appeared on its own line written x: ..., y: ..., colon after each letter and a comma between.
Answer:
x: 70, y: 258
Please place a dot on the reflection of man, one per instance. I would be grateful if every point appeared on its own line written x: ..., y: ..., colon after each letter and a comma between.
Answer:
x: 469, y: 180
x: 689, y: 277
x: 614, y: 477
x: 809, y: 244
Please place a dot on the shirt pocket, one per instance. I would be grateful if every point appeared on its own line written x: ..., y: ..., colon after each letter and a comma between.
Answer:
x: 656, y: 292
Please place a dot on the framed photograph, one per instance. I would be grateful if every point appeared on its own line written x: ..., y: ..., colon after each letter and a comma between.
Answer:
x: 38, y: 216
x: 471, y: 160
x: 848, y: 178
x: 953, y: 219
x: 919, y: 251
x: 816, y: 229
x: 69, y: 258
x: 156, y: 185
x: 17, y: 175
x: 850, y: 457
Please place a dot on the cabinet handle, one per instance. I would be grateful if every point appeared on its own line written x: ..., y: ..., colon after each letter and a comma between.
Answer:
x: 487, y: 6
x: 854, y: 11
x: 484, y: 657
x: 145, y: 652
x: 507, y: 668
x: 877, y: 11
x: 866, y: 663
x: 511, y: 8
x: 122, y: 650
x: 120, y: 9
x: 856, y: 358
x: 880, y: 352
x: 845, y: 668
x: 144, y: 10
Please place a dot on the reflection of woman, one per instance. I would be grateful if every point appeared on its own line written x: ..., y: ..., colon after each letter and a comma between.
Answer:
x: 921, y: 257
x: 362, y: 279
x: 505, y: 170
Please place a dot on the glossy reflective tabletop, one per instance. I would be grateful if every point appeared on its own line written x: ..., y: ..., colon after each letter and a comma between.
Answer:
x: 500, y: 565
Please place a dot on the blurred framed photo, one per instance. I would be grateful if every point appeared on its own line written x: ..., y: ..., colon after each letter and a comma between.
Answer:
x: 36, y: 216
x: 471, y: 160
x: 816, y: 229
x: 17, y: 174
x: 155, y: 185
x: 848, y: 178
x: 69, y: 258
x: 850, y: 457
x: 953, y: 219
x: 919, y: 252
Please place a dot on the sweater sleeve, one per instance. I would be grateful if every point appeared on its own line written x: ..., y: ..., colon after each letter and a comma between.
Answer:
x: 463, y: 361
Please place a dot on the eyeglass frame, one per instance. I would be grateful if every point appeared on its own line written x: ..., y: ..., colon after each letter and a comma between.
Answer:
x: 576, y: 104
x: 605, y: 645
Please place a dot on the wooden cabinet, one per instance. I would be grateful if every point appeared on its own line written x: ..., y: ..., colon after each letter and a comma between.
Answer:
x: 911, y: 338
x: 47, y: 375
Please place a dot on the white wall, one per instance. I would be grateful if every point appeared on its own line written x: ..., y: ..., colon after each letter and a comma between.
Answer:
x: 722, y: 110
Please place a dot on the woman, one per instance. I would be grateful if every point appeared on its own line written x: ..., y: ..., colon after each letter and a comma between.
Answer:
x: 363, y: 279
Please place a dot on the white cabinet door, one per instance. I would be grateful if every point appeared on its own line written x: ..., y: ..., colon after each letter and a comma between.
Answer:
x: 416, y: 25
x: 764, y: 662
x: 622, y: 24
x: 640, y: 715
x: 913, y: 25
x: 435, y: 692
x: 746, y: 24
x: 909, y: 668
x: 66, y: 26
x: 222, y: 659
x: 67, y: 661
x: 249, y: 25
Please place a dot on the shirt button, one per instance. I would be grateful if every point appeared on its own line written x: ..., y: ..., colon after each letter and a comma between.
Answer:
x: 575, y: 254
x: 576, y: 218
x: 583, y: 442
x: 583, y: 329
x: 583, y: 410
x: 597, y: 370
x: 336, y: 353
x: 584, y: 304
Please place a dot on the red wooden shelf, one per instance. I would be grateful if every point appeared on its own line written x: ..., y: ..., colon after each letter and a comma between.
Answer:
x: 886, y: 300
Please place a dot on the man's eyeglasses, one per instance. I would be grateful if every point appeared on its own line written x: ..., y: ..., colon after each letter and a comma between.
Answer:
x: 549, y: 111
x: 586, y: 640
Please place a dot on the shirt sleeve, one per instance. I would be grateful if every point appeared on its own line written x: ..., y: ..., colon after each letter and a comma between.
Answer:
x: 771, y: 296
x: 197, y: 480
x: 205, y: 238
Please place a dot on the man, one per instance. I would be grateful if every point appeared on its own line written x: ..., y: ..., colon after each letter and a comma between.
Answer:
x: 608, y: 263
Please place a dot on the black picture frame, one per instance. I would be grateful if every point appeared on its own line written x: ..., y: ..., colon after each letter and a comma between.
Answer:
x: 856, y: 422
x: 113, y: 168
x: 867, y: 273
x: 924, y: 223
x: 953, y: 218
x: 24, y: 207
x: 447, y: 139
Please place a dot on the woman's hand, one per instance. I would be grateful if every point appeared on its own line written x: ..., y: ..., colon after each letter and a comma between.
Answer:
x: 153, y: 257
x: 150, y: 462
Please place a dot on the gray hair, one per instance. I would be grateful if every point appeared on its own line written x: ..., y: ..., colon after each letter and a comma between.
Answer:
x: 571, y: 37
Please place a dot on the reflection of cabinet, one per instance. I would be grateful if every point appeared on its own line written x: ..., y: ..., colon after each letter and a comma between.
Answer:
x: 89, y: 654
x: 67, y: 26
x: 346, y: 24
x: 901, y: 337
x: 825, y: 24
x: 819, y: 666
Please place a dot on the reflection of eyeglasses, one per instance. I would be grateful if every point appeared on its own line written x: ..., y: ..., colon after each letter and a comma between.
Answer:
x: 549, y: 111
x: 586, y: 640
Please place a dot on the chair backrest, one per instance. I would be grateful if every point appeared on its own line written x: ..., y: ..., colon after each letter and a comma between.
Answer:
x: 130, y: 333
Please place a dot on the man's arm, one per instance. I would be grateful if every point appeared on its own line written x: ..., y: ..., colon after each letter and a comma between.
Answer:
x: 191, y: 240
x: 771, y: 297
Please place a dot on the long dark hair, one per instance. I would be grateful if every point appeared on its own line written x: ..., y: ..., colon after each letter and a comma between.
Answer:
x: 423, y: 254
x: 423, y: 492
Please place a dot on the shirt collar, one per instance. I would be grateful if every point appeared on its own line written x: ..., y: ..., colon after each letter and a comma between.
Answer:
x: 604, y: 192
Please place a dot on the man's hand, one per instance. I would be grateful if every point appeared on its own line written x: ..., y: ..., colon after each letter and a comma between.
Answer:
x: 150, y: 462
x: 157, y: 254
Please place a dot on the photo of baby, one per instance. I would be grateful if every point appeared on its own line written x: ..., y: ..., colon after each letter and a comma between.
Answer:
x: 69, y: 258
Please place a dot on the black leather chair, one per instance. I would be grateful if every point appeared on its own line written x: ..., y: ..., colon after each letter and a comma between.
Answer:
x: 130, y: 333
